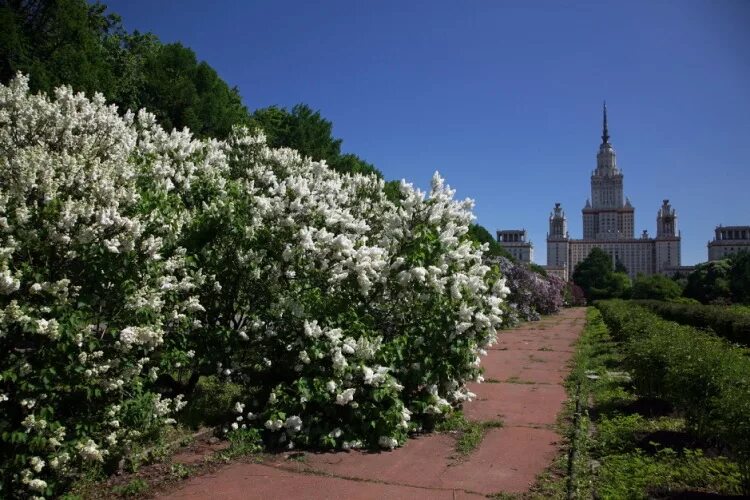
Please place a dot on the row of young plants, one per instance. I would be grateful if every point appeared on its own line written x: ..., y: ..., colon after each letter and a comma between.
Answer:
x: 626, y: 444
x: 732, y: 323
x: 135, y: 261
x: 706, y: 379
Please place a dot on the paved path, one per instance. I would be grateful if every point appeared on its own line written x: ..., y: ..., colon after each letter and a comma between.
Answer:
x: 524, y: 374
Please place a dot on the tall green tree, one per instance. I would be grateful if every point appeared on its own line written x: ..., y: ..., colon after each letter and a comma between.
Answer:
x: 183, y: 92
x: 58, y: 42
x: 739, y: 279
x: 481, y: 235
x: 595, y: 275
x: 72, y: 42
x: 710, y: 282
x: 308, y: 132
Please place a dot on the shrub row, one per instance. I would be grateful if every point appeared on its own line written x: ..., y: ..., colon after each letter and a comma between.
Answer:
x: 732, y: 324
x: 704, y: 377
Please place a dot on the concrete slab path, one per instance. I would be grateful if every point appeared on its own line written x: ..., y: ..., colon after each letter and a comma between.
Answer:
x: 524, y: 374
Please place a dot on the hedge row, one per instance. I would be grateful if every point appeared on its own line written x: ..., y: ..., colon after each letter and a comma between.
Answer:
x: 734, y: 325
x: 702, y: 376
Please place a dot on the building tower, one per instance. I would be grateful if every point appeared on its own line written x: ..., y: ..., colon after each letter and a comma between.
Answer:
x: 608, y: 214
x: 557, y: 241
x: 667, y: 238
x: 608, y: 224
x: 516, y: 243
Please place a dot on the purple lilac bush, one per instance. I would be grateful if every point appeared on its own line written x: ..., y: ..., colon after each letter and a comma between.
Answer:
x: 531, y: 294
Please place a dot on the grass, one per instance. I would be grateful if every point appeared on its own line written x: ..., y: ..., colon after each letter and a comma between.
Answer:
x: 627, y: 446
x: 242, y: 442
x: 134, y: 488
x: 469, y: 434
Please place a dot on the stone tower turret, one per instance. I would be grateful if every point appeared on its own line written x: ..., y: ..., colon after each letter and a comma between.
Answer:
x: 557, y: 239
x: 667, y: 238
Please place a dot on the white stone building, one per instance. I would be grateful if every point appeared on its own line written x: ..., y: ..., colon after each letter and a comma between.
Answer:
x: 515, y: 242
x: 729, y: 240
x: 609, y: 224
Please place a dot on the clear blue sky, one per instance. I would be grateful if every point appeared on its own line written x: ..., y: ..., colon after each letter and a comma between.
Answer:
x: 504, y: 97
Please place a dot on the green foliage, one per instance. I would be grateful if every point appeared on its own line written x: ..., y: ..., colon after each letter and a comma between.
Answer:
x: 732, y: 323
x: 739, y: 279
x: 469, y: 434
x: 70, y: 42
x: 134, y: 488
x: 183, y: 92
x: 640, y: 475
x: 656, y: 287
x: 243, y: 442
x: 632, y: 458
x: 211, y: 402
x: 591, y: 272
x: 480, y: 235
x: 702, y: 376
x: 595, y: 275
x: 309, y: 133
x: 710, y: 282
x: 538, y: 269
x: 620, y: 267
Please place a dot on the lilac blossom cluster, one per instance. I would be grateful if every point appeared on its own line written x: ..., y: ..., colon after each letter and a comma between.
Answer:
x: 531, y: 294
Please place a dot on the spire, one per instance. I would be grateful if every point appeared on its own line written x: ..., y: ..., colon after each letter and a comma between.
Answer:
x: 605, y: 132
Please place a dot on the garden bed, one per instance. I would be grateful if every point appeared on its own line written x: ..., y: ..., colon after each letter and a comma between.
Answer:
x: 629, y: 442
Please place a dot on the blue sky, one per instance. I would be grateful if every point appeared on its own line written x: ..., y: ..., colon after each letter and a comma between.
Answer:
x: 504, y: 97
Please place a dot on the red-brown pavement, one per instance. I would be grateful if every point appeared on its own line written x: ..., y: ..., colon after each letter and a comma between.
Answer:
x: 524, y: 373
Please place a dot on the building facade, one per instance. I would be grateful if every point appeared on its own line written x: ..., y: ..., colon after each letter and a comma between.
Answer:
x: 729, y: 240
x: 515, y: 242
x: 609, y: 224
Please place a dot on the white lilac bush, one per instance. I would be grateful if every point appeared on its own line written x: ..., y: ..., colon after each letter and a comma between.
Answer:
x: 129, y: 254
x: 83, y: 301
x: 350, y: 319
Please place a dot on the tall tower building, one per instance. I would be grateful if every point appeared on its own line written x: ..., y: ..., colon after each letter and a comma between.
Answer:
x: 667, y: 237
x: 557, y: 242
x: 609, y: 224
x: 608, y: 214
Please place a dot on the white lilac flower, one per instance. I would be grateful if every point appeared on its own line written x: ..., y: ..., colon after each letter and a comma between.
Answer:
x: 345, y: 397
x: 387, y: 442
x: 293, y: 423
x: 37, y: 464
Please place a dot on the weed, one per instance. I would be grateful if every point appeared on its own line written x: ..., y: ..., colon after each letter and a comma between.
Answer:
x: 297, y: 457
x: 179, y: 471
x: 242, y: 442
x: 470, y: 434
x: 134, y: 488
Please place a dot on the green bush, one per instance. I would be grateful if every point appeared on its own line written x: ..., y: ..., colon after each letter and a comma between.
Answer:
x: 701, y: 375
x: 656, y: 287
x: 732, y: 323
